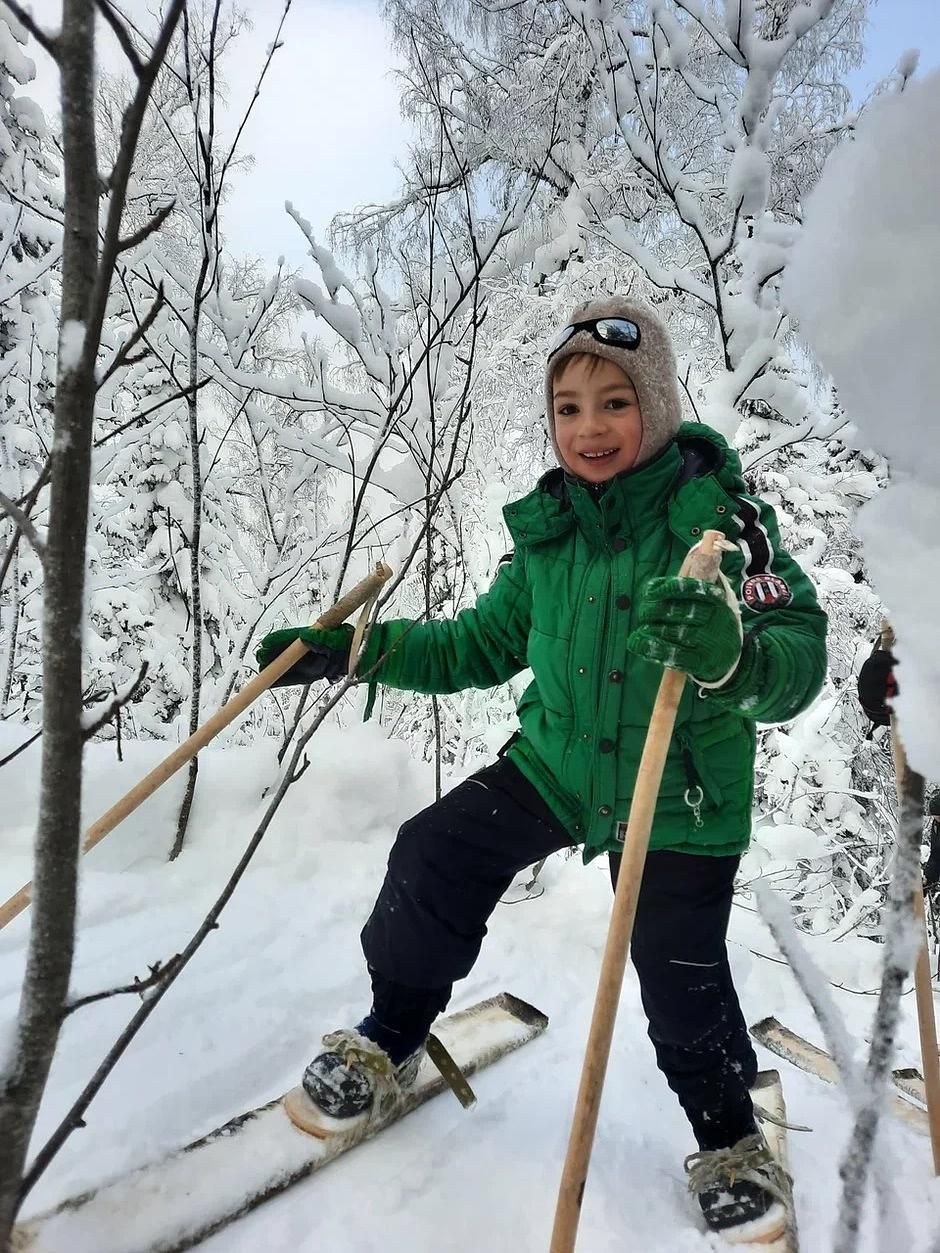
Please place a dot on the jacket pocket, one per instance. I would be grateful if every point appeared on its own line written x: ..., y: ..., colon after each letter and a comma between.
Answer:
x: 548, y: 657
x: 702, y: 788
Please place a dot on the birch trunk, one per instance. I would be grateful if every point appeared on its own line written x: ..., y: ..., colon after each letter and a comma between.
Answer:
x: 52, y: 932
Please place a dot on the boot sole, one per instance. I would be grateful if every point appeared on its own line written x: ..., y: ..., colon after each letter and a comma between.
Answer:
x: 762, y: 1231
x: 304, y: 1114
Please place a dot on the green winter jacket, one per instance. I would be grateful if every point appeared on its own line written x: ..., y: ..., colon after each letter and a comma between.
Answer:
x: 565, y: 604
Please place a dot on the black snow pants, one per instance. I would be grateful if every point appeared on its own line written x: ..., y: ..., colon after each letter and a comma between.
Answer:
x: 452, y: 862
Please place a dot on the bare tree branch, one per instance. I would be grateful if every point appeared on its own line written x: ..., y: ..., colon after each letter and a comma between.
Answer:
x: 898, y: 962
x: 118, y: 703
x: 22, y: 748
x: 121, y: 34
x: 25, y: 18
x: 27, y: 503
x: 273, y: 47
x: 148, y: 229
x: 160, y: 972
x: 729, y: 47
x: 25, y: 525
x: 122, y: 356
x: 145, y: 413
x: 123, y: 165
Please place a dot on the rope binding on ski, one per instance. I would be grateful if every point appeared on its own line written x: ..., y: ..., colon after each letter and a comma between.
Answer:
x: 749, y: 1159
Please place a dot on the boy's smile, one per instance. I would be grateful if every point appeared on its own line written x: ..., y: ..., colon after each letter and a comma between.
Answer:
x: 598, y: 424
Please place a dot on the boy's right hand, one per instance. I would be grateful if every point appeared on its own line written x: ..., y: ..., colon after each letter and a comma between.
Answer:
x: 328, y: 657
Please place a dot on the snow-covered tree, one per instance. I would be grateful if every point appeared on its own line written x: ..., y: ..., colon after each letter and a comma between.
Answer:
x: 393, y: 403
x: 30, y: 252
x: 91, y: 243
x: 169, y: 576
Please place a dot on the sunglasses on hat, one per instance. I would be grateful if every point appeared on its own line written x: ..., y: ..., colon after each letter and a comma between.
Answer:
x: 618, y: 332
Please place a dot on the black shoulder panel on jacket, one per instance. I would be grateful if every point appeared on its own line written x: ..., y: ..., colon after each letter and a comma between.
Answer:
x: 553, y: 482
x: 699, y: 457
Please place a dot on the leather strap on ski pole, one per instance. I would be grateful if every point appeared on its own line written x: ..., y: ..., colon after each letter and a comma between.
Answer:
x: 355, y: 647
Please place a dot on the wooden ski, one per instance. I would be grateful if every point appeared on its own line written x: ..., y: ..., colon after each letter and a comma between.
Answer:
x: 911, y: 1082
x: 816, y: 1061
x: 174, y: 1203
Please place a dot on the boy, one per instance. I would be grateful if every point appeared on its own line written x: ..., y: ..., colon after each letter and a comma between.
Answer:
x: 590, y: 600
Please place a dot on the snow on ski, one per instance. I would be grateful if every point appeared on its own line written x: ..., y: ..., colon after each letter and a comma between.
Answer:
x: 816, y: 1061
x: 174, y: 1203
x: 767, y: 1095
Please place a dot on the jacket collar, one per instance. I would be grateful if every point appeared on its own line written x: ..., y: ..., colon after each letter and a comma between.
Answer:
x: 692, y: 484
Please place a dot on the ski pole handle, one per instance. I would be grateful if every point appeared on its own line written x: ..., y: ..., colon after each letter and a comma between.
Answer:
x: 354, y: 599
x: 357, y: 596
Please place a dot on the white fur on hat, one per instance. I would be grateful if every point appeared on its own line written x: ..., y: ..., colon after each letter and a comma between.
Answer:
x: 651, y: 368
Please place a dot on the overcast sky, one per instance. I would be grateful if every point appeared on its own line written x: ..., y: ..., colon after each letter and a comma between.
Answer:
x: 326, y: 132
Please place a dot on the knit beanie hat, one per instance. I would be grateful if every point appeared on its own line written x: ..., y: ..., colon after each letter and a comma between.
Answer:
x: 651, y: 367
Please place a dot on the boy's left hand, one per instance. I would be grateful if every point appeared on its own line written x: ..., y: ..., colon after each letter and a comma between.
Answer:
x: 687, y: 624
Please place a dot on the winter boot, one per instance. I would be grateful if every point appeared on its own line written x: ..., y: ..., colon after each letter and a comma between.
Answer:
x: 355, y: 1076
x: 743, y: 1191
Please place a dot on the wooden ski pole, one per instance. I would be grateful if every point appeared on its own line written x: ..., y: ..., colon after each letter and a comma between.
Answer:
x: 910, y: 789
x: 362, y: 594
x: 703, y: 562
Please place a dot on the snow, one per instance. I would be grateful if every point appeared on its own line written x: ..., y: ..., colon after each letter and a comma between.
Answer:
x: 30, y: 116
x: 863, y: 283
x: 19, y: 66
x: 285, y: 966
x: 749, y: 178
x: 908, y: 62
x: 71, y: 343
x: 403, y: 479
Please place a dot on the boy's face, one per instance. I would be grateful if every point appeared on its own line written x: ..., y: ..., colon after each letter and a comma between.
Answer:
x: 598, y: 424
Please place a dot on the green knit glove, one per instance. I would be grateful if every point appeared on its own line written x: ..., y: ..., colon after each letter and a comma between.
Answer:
x: 687, y: 624
x: 328, y: 657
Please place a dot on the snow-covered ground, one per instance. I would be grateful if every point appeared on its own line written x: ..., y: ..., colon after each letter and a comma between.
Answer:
x: 285, y: 965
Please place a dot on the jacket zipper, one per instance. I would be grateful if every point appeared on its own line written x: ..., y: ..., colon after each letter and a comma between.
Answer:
x: 602, y: 658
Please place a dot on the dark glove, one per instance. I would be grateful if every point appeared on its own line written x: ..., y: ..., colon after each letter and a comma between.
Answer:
x: 877, y: 685
x: 932, y: 864
x: 687, y: 624
x: 328, y: 657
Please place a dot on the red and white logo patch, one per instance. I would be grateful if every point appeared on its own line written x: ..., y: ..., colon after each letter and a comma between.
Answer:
x: 765, y: 591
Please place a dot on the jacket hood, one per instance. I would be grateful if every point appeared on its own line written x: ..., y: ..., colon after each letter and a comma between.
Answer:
x: 697, y: 466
